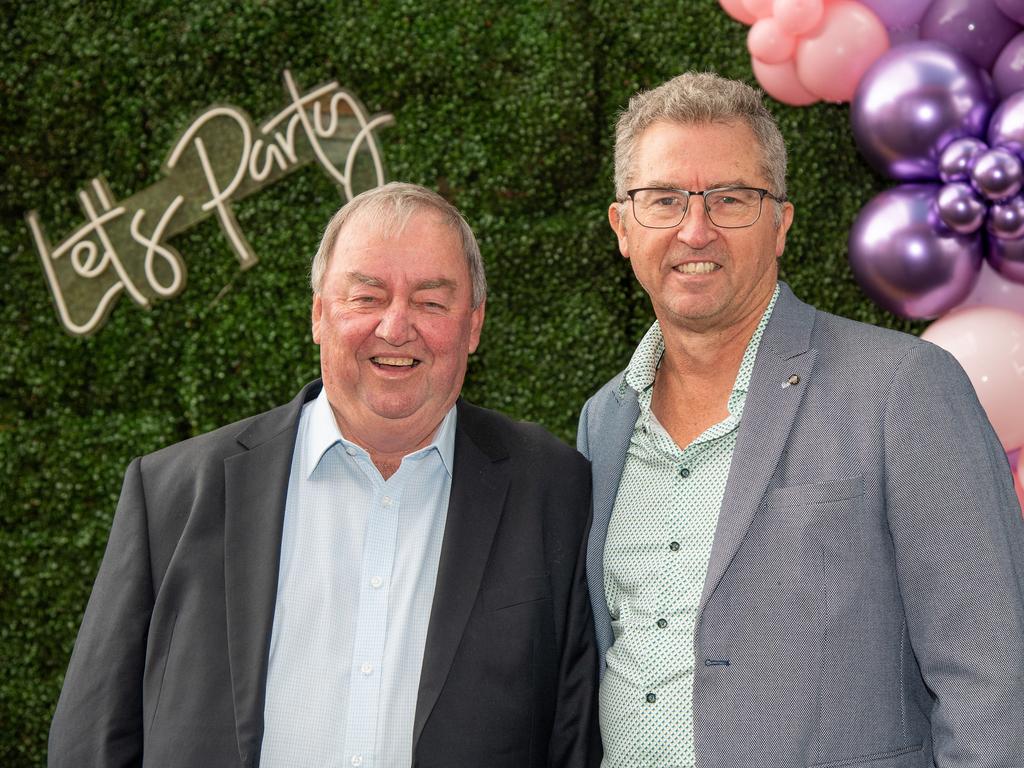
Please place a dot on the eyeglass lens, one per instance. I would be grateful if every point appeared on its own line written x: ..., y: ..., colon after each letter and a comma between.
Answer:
x: 736, y: 207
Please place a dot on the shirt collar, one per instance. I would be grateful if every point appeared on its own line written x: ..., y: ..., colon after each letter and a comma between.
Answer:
x: 643, y: 366
x: 323, y: 434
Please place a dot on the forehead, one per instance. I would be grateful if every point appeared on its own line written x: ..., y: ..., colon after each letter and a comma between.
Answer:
x: 425, y: 248
x: 696, y: 156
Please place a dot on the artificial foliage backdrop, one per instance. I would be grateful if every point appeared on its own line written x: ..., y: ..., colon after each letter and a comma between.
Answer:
x: 505, y: 108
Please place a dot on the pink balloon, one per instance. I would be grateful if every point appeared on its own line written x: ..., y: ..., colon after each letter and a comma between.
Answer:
x: 738, y: 11
x: 994, y: 290
x: 781, y: 83
x: 769, y: 42
x: 832, y: 61
x: 798, y: 16
x: 989, y: 343
x: 761, y: 9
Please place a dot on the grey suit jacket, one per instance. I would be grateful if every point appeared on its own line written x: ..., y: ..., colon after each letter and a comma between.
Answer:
x: 170, y: 665
x: 863, y: 603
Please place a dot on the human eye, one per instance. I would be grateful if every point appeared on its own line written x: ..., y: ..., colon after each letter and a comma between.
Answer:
x: 733, y: 198
x: 664, y: 198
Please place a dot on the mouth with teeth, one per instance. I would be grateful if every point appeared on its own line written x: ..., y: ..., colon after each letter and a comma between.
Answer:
x: 697, y: 268
x: 395, y: 362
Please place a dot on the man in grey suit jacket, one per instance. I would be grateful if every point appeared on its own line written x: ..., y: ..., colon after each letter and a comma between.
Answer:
x: 806, y: 547
x: 377, y: 574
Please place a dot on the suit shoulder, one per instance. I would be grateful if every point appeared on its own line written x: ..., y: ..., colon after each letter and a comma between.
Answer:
x: 519, y: 438
x: 850, y: 339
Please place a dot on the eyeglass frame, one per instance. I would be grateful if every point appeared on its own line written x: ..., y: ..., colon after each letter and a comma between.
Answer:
x: 702, y: 193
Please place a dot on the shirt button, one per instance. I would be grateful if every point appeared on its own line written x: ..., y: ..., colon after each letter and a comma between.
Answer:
x: 357, y: 760
x: 684, y: 472
x: 662, y: 623
x: 651, y: 698
x: 376, y: 581
x: 350, y: 451
x: 674, y: 546
x: 366, y: 668
x: 386, y: 501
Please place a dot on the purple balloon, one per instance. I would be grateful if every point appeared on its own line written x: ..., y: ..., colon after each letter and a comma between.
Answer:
x: 958, y: 158
x: 1008, y: 71
x: 912, y: 102
x: 1007, y: 258
x: 1006, y: 220
x: 1007, y: 126
x: 1012, y: 8
x: 906, y: 260
x: 898, y: 14
x: 975, y: 28
x: 997, y: 174
x: 960, y: 208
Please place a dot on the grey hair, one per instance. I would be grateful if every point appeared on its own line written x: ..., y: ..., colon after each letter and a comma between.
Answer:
x: 387, y: 209
x: 700, y: 98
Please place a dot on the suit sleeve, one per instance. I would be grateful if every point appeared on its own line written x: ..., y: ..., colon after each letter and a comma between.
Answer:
x: 98, y: 720
x: 959, y: 544
x: 575, y: 738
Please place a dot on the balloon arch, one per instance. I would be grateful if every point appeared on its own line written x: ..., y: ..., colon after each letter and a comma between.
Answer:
x: 936, y: 92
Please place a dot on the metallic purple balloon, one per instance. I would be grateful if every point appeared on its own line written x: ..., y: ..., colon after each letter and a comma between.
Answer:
x: 898, y: 14
x: 1006, y: 220
x: 1007, y: 258
x: 997, y: 174
x: 912, y: 102
x: 956, y: 160
x: 975, y: 28
x: 1012, y: 8
x: 1007, y: 126
x: 960, y: 208
x: 1008, y: 71
x: 906, y: 260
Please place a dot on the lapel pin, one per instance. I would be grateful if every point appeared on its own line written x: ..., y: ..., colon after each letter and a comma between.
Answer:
x: 792, y: 381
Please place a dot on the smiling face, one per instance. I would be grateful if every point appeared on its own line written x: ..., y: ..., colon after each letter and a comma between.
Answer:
x: 701, y: 277
x: 395, y: 325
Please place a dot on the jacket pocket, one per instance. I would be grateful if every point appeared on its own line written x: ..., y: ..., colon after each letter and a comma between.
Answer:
x: 904, y: 757
x: 527, y: 589
x: 824, y: 492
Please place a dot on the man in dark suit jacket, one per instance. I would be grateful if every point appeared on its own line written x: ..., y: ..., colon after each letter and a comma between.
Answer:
x: 806, y: 547
x: 225, y: 627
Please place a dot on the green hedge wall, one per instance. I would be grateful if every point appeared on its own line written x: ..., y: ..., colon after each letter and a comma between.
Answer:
x: 506, y: 107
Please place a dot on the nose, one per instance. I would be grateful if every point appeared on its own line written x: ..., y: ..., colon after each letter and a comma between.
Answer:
x: 696, y: 229
x: 396, y: 325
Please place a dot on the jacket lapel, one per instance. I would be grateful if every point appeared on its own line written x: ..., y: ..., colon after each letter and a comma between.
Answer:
x: 615, y: 419
x: 768, y: 414
x: 255, y: 491
x: 479, y: 485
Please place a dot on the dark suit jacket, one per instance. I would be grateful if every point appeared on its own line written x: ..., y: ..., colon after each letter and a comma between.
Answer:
x: 170, y: 665
x: 864, y: 601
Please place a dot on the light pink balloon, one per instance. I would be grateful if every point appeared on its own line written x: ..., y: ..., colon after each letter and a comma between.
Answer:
x: 781, y: 83
x: 989, y: 343
x: 994, y: 290
x: 738, y: 11
x: 798, y: 16
x: 769, y: 42
x: 761, y: 9
x: 831, y: 61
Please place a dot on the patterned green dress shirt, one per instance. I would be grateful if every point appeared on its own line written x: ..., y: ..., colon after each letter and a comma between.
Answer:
x: 655, y: 563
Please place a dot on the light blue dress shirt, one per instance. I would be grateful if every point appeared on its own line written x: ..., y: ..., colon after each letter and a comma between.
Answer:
x: 359, y: 558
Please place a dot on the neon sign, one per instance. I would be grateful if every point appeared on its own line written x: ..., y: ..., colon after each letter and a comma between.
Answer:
x: 219, y: 159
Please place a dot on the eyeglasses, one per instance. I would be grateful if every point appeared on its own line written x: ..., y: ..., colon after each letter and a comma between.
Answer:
x: 726, y: 207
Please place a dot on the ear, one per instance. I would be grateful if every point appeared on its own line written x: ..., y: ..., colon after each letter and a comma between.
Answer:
x: 617, y: 220
x: 317, y: 315
x: 787, y: 222
x: 476, y: 321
